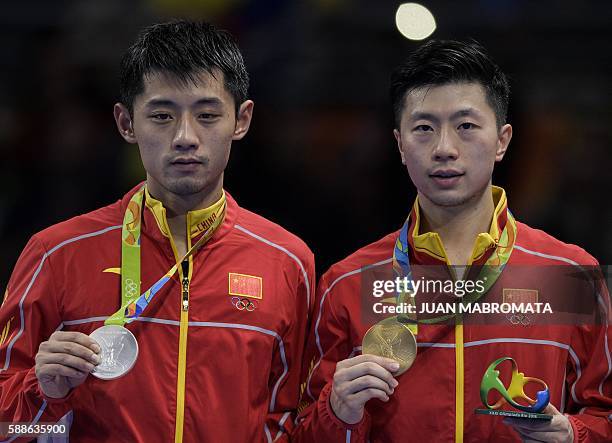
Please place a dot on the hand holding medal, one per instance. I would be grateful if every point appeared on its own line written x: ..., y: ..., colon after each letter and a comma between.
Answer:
x: 395, y: 337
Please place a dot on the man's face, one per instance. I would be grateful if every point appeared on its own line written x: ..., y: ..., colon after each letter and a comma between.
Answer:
x: 449, y: 142
x: 184, y: 132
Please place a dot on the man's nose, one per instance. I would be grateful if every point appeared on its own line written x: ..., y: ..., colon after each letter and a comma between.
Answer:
x: 446, y: 146
x: 186, y: 136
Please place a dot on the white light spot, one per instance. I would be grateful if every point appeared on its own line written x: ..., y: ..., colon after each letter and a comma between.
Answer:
x: 414, y: 21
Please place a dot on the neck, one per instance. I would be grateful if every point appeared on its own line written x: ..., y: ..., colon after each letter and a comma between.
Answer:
x: 458, y: 226
x: 177, y: 206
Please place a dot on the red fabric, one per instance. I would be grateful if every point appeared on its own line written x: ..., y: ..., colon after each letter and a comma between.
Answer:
x: 231, y: 372
x: 422, y: 407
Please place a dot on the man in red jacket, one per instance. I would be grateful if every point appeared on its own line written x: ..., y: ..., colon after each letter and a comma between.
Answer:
x: 206, y: 302
x: 450, y: 102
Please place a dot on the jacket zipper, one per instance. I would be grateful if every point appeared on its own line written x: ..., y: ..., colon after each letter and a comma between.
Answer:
x: 185, y: 303
x: 186, y: 268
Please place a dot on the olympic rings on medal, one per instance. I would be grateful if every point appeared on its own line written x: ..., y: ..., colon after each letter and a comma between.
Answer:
x: 244, y: 304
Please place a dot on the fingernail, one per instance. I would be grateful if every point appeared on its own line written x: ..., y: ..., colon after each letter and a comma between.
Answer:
x: 394, y: 366
x: 95, y: 348
x: 394, y: 383
x: 95, y: 358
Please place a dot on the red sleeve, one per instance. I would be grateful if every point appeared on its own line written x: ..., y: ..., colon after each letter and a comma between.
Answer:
x: 281, y: 418
x: 589, y: 405
x: 328, y: 343
x: 28, y: 316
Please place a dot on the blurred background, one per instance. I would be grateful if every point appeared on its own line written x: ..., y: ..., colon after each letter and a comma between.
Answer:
x: 320, y: 158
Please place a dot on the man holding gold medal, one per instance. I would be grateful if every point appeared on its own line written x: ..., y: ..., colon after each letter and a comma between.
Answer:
x: 173, y: 314
x: 418, y: 377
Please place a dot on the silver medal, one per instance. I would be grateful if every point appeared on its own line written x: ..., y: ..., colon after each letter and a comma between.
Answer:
x: 119, y: 351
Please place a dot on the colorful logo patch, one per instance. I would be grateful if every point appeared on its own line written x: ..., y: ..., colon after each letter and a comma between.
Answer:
x: 244, y: 285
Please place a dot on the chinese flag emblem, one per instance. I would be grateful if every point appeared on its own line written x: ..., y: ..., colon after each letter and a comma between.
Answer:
x: 245, y: 285
x: 520, y: 295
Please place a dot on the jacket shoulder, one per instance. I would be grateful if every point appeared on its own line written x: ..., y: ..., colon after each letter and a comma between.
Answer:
x: 536, y: 245
x: 377, y: 253
x: 99, y: 221
x: 263, y: 232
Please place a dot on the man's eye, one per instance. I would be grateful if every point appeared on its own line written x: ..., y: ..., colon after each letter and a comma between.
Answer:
x: 207, y: 116
x: 467, y: 125
x: 161, y: 117
x: 423, y: 128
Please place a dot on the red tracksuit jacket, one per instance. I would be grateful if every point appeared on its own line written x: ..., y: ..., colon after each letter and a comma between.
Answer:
x: 437, y: 396
x: 212, y: 373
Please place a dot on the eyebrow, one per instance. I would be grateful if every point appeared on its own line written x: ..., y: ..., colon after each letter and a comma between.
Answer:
x: 167, y: 102
x: 460, y: 113
x: 465, y: 113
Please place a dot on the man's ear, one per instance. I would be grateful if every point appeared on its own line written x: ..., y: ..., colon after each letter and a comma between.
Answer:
x: 398, y: 139
x: 243, y: 119
x: 124, y: 122
x: 503, y: 140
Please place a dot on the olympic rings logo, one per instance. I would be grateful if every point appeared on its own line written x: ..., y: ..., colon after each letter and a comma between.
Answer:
x: 130, y: 288
x: 244, y: 304
x: 516, y: 319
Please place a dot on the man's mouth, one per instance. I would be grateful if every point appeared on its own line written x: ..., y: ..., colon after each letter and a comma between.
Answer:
x: 446, y: 178
x: 185, y: 161
x: 186, y: 165
x: 446, y: 173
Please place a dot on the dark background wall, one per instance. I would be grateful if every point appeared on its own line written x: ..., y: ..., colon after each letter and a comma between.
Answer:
x: 320, y: 158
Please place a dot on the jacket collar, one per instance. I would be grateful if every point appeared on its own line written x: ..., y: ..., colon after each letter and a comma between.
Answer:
x: 197, y: 220
x: 155, y: 224
x: 427, y: 247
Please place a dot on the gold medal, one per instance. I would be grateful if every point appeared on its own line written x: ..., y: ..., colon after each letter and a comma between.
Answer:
x: 391, y: 339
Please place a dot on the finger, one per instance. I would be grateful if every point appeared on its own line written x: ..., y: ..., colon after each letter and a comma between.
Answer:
x: 527, y: 438
x: 388, y: 363
x: 71, y: 348
x: 542, y: 436
x: 366, y: 368
x: 528, y: 424
x: 360, y: 398
x: 65, y: 360
x: 52, y: 370
x: 76, y: 337
x: 366, y: 382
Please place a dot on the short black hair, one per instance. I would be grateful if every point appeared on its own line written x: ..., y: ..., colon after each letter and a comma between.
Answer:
x: 182, y: 49
x: 440, y: 62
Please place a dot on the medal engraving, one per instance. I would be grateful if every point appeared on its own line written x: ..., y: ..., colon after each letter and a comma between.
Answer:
x: 391, y: 339
x: 119, y: 351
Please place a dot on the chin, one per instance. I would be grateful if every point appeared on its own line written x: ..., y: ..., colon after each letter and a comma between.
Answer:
x: 186, y: 186
x: 454, y: 197
x: 449, y: 199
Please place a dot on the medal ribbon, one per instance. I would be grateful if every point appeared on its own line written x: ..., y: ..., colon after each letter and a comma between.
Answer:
x: 133, y: 304
x: 489, y: 273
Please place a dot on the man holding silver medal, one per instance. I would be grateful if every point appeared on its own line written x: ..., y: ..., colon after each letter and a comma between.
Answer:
x: 450, y: 102
x: 173, y: 314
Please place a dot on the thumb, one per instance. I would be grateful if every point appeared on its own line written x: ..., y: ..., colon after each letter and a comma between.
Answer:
x: 551, y: 410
